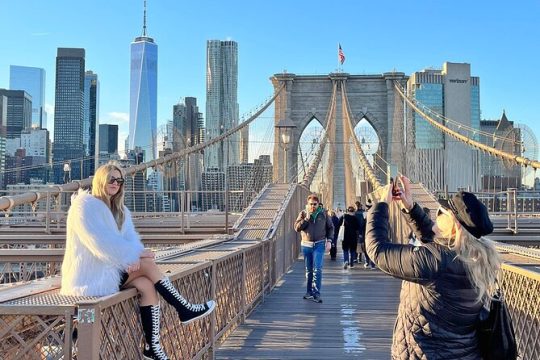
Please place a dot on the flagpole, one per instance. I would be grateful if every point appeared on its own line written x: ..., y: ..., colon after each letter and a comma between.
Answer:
x: 338, y: 62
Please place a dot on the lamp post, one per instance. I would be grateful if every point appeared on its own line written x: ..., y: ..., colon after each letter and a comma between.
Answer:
x: 285, y: 128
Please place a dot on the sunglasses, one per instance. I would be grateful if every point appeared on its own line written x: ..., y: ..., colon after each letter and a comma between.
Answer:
x: 313, y: 204
x: 119, y: 181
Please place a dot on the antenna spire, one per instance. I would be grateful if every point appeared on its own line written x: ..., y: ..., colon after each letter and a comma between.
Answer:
x: 144, y: 20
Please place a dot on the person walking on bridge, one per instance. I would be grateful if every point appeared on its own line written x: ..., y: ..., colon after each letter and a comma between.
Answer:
x: 317, y: 232
x: 447, y: 280
x: 350, y: 237
x: 104, y: 253
x: 335, y: 221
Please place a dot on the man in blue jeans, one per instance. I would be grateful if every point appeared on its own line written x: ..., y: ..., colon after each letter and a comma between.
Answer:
x: 317, y: 230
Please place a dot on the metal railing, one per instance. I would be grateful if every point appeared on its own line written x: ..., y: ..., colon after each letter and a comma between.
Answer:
x: 511, y: 203
x: 50, y: 211
x: 237, y: 274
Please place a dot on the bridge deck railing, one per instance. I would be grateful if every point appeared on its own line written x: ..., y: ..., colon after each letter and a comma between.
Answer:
x: 50, y: 210
x: 37, y: 322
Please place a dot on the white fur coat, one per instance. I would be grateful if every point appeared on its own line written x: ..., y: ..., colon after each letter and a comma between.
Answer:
x: 96, y: 251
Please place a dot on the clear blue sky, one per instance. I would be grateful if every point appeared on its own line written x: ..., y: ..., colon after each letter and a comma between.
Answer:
x: 498, y: 38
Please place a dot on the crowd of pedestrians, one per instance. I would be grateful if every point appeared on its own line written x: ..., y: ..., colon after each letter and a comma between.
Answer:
x: 449, y: 270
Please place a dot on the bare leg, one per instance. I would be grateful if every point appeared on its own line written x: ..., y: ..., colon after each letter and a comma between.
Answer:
x: 150, y: 272
x: 146, y: 288
x: 148, y: 269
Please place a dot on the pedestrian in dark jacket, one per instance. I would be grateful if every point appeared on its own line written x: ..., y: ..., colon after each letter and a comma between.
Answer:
x: 335, y: 222
x: 350, y: 237
x: 446, y: 281
x: 316, y: 229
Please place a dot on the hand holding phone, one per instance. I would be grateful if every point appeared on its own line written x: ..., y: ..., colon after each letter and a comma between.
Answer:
x: 396, y: 191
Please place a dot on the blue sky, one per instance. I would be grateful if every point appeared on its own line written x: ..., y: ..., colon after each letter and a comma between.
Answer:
x: 498, y: 38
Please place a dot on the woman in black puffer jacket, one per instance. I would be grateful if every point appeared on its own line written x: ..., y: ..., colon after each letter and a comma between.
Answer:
x: 447, y: 280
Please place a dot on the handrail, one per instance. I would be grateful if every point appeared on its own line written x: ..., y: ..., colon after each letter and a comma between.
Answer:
x: 7, y: 202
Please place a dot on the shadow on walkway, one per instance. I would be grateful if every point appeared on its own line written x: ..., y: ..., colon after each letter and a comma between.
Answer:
x: 355, y: 320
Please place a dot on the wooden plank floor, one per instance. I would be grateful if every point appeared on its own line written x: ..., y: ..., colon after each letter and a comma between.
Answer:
x: 355, y: 320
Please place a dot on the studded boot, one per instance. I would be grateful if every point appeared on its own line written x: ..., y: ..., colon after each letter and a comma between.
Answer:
x: 186, y: 311
x: 150, y: 317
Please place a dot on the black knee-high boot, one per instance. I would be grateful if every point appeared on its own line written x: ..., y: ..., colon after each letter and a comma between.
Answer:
x: 150, y: 317
x: 186, y: 311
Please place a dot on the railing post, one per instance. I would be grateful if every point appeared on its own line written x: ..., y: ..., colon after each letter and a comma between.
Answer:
x: 213, y: 291
x: 226, y: 207
x: 511, y: 208
x: 189, y: 209
x: 244, y: 287
x: 182, y: 204
x: 263, y: 275
x: 514, y: 192
x: 89, y: 331
x: 48, y: 213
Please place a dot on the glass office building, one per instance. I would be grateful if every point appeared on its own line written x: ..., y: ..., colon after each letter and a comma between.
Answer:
x: 143, y: 97
x: 19, y: 112
x: 69, y: 113
x: 439, y: 160
x: 31, y: 80
x: 108, y: 139
x: 221, y: 102
x: 91, y: 121
x: 426, y: 136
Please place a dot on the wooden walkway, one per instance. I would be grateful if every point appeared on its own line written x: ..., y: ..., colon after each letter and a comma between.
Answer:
x: 355, y: 320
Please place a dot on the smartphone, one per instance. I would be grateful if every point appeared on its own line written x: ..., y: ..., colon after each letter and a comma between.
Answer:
x: 396, y: 192
x: 393, y: 179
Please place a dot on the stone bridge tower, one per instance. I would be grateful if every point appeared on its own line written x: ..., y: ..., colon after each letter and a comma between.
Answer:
x: 308, y: 96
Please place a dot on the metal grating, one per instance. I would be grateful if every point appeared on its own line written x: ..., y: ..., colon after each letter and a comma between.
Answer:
x: 52, y: 298
x: 199, y: 256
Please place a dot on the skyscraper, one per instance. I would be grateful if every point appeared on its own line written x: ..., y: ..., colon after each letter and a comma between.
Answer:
x: 187, y: 130
x: 69, y: 112
x: 19, y: 112
x: 90, y: 127
x: 143, y: 95
x: 3, y: 131
x: 187, y: 124
x: 221, y: 102
x: 441, y: 160
x: 31, y: 80
x: 108, y: 138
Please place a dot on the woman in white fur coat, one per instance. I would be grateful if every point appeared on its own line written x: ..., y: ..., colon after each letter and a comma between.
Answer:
x: 104, y: 254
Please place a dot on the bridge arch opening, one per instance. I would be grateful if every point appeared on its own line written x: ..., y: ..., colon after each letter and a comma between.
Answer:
x: 308, y: 145
x: 371, y: 144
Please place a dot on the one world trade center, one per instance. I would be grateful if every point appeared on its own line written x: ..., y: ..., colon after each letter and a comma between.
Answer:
x: 143, y: 95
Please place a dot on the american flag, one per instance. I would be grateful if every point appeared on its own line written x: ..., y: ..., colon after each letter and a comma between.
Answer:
x: 341, y: 55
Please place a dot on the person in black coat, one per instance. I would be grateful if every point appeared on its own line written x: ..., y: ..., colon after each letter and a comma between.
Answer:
x: 350, y: 236
x: 447, y: 280
x: 335, y: 222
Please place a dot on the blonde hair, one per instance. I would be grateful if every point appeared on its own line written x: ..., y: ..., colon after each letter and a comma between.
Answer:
x: 99, y: 190
x: 479, y: 256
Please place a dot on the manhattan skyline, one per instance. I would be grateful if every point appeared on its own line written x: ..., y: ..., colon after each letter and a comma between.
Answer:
x: 499, y: 41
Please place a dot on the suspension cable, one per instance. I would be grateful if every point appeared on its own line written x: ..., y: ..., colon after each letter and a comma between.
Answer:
x: 459, y: 125
x: 363, y: 160
x: 523, y: 161
x: 308, y: 177
x: 7, y: 202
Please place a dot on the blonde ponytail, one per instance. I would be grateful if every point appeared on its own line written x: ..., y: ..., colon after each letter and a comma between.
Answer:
x: 481, y: 259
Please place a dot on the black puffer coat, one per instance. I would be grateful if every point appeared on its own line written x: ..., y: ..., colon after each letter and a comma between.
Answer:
x: 350, y: 234
x: 438, y: 308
